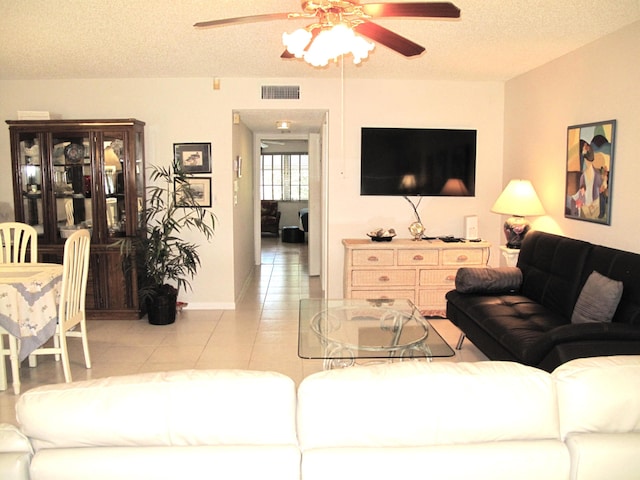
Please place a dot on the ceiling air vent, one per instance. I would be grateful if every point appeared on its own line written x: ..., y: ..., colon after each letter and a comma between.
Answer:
x: 280, y: 92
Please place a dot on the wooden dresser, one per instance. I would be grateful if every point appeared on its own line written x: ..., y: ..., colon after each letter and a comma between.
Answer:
x: 422, y: 272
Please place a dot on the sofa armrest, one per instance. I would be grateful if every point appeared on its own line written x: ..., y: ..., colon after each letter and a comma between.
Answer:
x: 605, y: 335
x: 15, y: 453
x: 488, y: 280
x: 594, y: 331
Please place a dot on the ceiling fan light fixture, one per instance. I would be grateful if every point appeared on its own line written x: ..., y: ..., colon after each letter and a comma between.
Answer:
x: 332, y: 42
x: 296, y: 41
x: 338, y: 25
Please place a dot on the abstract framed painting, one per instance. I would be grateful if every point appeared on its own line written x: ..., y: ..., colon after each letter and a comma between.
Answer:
x: 589, y: 169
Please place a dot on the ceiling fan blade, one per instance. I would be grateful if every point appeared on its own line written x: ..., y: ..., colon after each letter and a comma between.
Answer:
x: 238, y: 20
x: 389, y: 39
x: 418, y: 9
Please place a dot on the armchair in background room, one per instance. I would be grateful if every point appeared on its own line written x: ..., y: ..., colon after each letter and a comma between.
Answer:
x: 304, y: 218
x: 270, y: 217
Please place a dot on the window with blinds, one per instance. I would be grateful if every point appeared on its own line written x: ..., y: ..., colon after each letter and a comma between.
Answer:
x: 284, y: 177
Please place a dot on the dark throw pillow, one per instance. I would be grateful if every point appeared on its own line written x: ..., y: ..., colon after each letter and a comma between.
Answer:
x: 488, y: 280
x: 598, y: 300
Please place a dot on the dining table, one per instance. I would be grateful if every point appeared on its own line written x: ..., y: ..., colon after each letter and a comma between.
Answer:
x: 29, y: 297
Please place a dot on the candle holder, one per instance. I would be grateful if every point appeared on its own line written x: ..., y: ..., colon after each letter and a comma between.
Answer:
x: 416, y: 228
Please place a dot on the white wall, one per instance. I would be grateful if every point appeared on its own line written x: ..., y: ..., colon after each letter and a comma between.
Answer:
x: 175, y: 110
x: 389, y: 103
x: 243, y: 207
x: 189, y: 110
x: 597, y: 82
x: 290, y: 213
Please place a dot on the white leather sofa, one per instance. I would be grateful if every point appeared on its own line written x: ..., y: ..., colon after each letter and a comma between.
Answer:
x: 487, y: 420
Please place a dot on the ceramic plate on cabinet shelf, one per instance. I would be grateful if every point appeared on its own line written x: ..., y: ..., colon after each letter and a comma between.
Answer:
x: 74, y: 153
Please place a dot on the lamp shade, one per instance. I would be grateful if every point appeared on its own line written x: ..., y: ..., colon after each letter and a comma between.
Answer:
x: 519, y: 198
x: 408, y: 182
x: 455, y: 187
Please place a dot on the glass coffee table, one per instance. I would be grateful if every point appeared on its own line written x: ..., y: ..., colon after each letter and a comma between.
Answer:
x: 345, y: 330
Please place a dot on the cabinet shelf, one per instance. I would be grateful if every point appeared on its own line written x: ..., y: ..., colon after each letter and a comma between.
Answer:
x: 32, y: 195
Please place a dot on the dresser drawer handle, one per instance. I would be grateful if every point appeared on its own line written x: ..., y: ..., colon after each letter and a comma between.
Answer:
x: 383, y: 278
x: 418, y: 258
x: 372, y: 258
x: 450, y: 278
x: 463, y: 258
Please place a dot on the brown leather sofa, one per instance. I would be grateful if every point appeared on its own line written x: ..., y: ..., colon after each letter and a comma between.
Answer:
x: 531, y: 323
x: 270, y: 217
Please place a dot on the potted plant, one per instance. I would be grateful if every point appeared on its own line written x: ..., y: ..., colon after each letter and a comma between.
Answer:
x: 165, y: 261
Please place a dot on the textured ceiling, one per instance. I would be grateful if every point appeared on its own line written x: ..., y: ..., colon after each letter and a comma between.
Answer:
x: 493, y: 39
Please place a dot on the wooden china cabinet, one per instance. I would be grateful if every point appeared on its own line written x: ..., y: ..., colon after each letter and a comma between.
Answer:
x: 70, y: 174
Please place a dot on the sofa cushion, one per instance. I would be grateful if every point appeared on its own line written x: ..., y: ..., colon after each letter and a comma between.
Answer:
x: 503, y: 460
x: 418, y: 404
x: 484, y: 420
x: 550, y: 270
x: 488, y: 280
x: 599, y: 395
x: 622, y: 266
x: 604, y: 455
x: 518, y: 324
x: 598, y: 299
x: 222, y: 462
x: 180, y: 408
x: 15, y: 453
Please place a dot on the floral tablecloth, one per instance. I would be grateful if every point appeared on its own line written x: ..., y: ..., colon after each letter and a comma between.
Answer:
x: 29, y: 296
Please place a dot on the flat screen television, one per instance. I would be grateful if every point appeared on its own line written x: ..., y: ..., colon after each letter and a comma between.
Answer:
x: 418, y: 161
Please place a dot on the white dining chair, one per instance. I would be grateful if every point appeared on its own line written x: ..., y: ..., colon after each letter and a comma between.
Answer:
x: 16, y: 239
x: 71, y: 311
x: 10, y: 351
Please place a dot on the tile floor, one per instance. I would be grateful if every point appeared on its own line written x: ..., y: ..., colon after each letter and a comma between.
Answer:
x: 260, y: 334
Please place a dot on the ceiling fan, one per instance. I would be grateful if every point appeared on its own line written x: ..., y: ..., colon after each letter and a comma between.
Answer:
x: 350, y: 17
x: 268, y: 143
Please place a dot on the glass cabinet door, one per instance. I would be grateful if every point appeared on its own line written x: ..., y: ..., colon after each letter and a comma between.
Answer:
x: 30, y: 164
x: 114, y: 184
x: 139, y: 174
x: 72, y: 180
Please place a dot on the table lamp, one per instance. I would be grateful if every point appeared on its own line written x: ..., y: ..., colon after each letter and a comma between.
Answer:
x: 518, y: 199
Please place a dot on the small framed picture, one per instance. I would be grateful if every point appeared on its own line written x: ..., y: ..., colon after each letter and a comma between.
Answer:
x: 193, y: 157
x: 200, y: 189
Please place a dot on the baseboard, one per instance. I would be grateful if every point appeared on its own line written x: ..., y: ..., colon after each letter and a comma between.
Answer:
x: 211, y: 306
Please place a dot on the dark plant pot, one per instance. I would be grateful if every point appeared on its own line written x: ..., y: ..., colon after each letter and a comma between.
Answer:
x: 162, y: 309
